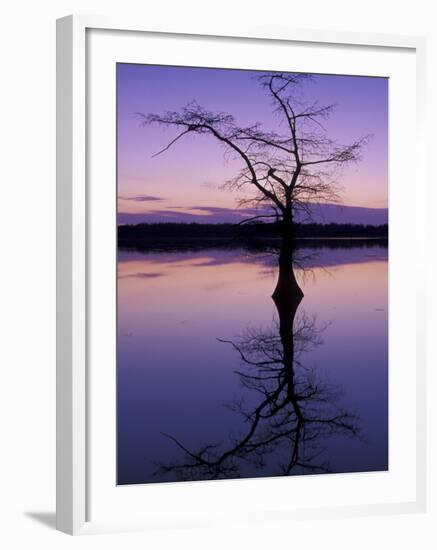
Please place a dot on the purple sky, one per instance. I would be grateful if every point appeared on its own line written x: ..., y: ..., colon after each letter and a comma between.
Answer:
x: 184, y: 182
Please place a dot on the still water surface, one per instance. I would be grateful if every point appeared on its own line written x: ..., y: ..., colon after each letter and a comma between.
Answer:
x: 203, y: 377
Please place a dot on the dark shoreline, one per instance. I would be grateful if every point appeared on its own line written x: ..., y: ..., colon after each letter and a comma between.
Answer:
x: 175, y: 236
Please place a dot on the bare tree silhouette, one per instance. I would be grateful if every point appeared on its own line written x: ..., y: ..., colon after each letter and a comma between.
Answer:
x: 282, y: 171
x: 286, y: 169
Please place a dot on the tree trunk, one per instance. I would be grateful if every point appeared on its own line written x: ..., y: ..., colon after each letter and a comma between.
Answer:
x: 287, y: 294
x: 287, y: 287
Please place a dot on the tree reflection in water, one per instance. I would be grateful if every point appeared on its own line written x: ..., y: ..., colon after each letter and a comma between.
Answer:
x: 295, y: 409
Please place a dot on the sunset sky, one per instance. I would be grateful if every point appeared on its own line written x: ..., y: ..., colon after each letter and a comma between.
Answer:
x: 183, y: 184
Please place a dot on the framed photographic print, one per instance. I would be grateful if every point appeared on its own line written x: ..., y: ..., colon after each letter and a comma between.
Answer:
x: 240, y: 275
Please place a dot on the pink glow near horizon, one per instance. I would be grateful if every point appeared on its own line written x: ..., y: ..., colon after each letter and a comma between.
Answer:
x: 190, y: 174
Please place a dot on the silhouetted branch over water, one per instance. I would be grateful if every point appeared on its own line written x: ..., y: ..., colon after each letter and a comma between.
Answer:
x: 282, y: 169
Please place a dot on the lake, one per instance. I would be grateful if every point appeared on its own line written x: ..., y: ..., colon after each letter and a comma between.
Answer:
x: 215, y: 379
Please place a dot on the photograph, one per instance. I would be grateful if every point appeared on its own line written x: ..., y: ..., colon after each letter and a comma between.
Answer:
x: 252, y: 273
x: 218, y: 283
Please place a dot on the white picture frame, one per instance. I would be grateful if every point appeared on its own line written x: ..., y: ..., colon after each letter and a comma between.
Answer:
x: 74, y: 465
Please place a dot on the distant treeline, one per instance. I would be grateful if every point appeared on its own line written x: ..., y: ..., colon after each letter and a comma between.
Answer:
x: 250, y: 231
